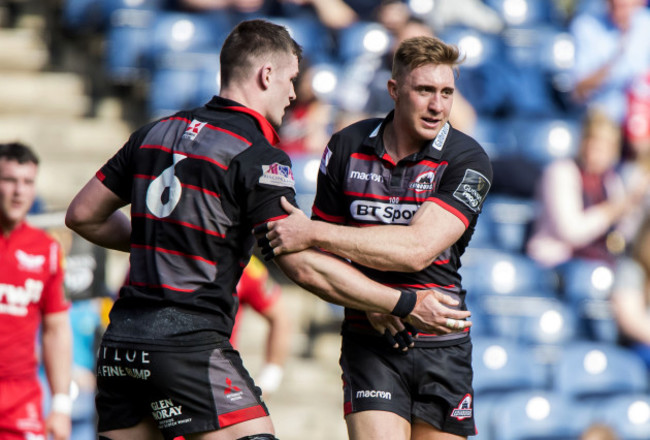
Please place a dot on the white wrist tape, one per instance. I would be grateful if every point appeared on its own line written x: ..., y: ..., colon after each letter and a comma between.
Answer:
x: 62, y: 404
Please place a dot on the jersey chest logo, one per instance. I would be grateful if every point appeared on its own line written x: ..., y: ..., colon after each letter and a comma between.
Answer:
x: 29, y: 262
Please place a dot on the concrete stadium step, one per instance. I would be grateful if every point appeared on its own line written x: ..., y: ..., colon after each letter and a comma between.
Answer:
x: 23, y: 49
x: 43, y: 92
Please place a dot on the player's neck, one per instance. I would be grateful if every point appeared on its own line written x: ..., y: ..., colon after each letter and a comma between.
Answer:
x: 396, y: 147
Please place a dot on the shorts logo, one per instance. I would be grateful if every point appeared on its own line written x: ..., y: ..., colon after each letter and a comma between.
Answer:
x: 277, y: 175
x: 376, y: 394
x: 472, y: 190
x: 192, y: 130
x: 423, y: 182
x: 232, y: 392
x: 464, y: 409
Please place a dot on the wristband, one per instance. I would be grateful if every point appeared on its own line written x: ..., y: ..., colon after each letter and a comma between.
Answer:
x: 405, y: 304
x: 62, y: 404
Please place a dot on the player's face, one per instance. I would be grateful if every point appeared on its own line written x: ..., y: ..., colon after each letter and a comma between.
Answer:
x: 17, y: 191
x: 282, y: 87
x: 423, y: 100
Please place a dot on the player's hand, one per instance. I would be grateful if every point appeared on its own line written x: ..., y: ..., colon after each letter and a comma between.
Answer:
x: 398, y: 334
x: 58, y: 425
x: 287, y: 235
x: 434, y: 313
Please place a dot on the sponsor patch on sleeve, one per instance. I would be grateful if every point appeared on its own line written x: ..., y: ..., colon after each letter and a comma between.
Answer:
x: 277, y: 175
x: 325, y: 160
x: 472, y: 190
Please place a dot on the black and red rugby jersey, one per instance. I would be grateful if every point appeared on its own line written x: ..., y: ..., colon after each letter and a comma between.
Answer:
x: 198, y: 182
x: 359, y: 184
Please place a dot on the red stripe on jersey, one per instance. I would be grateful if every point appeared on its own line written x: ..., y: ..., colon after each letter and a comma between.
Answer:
x: 267, y: 129
x: 431, y: 164
x: 347, y: 408
x: 420, y: 286
x: 381, y: 197
x: 451, y: 209
x: 361, y: 156
x: 177, y: 118
x: 441, y: 262
x: 327, y: 217
x: 160, y: 286
x: 178, y: 222
x: 173, y: 252
x: 203, y: 190
x: 279, y: 217
x: 100, y: 176
x: 193, y: 156
x: 241, y: 415
x: 229, y: 133
x: 143, y: 176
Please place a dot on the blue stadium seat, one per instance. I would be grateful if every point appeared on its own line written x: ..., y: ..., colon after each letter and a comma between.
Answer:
x: 128, y: 37
x: 184, y: 60
x: 537, y: 415
x: 525, y: 12
x: 587, y: 370
x: 305, y: 173
x: 363, y: 38
x: 544, y: 139
x: 81, y: 16
x: 315, y: 39
x: 505, y: 273
x: 503, y: 365
x: 510, y: 219
x: 628, y: 415
x: 586, y: 286
x: 538, y: 321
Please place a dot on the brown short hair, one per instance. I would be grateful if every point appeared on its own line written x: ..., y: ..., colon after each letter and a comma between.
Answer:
x: 418, y: 51
x: 19, y: 152
x: 251, y: 39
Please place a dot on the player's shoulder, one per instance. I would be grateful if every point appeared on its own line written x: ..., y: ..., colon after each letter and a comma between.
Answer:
x: 460, y: 144
x: 353, y: 136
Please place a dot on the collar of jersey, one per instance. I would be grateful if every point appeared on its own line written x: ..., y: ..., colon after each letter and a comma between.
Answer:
x: 375, y: 141
x: 267, y: 129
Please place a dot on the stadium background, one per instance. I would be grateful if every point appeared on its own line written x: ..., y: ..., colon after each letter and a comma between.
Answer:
x: 76, y: 76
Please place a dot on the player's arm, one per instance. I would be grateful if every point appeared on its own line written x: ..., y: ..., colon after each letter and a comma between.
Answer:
x: 57, y: 359
x: 407, y: 248
x: 94, y: 214
x: 340, y: 283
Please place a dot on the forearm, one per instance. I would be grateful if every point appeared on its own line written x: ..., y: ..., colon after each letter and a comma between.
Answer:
x: 57, y: 355
x: 336, y: 281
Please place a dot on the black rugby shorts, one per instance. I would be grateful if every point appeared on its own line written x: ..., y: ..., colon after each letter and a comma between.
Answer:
x: 183, y: 391
x: 433, y: 384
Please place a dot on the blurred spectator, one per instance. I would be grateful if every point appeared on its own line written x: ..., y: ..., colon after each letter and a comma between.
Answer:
x: 635, y: 166
x: 307, y: 123
x: 334, y: 14
x: 463, y: 116
x: 32, y: 301
x: 257, y: 290
x: 599, y: 431
x: 392, y: 14
x: 471, y: 13
x: 631, y: 295
x: 581, y: 200
x: 612, y: 48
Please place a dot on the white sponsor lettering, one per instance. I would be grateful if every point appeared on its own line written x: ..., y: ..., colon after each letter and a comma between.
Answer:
x: 30, y: 262
x: 363, y: 210
x: 15, y: 299
x: 364, y: 394
x: 360, y: 175
x: 165, y: 409
x: 277, y: 175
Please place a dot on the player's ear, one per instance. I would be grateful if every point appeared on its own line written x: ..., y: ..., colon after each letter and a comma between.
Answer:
x: 392, y: 88
x: 264, y: 75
